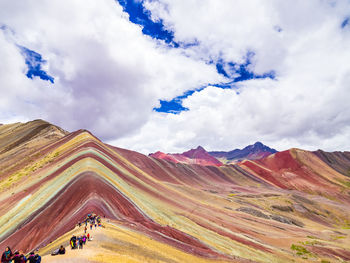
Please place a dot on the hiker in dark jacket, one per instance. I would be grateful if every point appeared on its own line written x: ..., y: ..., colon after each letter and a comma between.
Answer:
x: 16, y: 257
x: 62, y: 250
x: 31, y: 258
x: 19, y: 258
x: 37, y: 258
x: 81, y: 243
x: 7, y: 255
x: 73, y: 242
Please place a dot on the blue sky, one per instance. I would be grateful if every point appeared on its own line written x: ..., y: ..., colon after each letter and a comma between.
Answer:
x: 35, y: 62
x: 139, y: 15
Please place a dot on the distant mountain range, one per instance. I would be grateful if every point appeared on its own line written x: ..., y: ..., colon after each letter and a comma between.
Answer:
x: 217, y: 158
x: 251, y: 152
x: 193, y: 156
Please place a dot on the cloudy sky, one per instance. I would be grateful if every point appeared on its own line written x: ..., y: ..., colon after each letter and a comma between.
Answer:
x: 170, y: 75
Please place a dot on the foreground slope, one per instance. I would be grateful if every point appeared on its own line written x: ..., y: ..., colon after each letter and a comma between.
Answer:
x: 288, y: 206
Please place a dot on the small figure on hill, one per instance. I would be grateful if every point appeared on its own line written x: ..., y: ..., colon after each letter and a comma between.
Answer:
x: 31, y: 258
x: 73, y: 241
x: 7, y: 255
x: 19, y: 258
x: 37, y: 258
x: 90, y: 226
x: 62, y: 250
x: 80, y: 243
x: 15, y: 257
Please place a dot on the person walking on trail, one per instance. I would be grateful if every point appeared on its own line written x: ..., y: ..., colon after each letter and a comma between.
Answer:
x: 84, y: 239
x: 85, y: 230
x: 73, y: 241
x: 80, y: 243
x: 90, y: 226
x: 7, y: 255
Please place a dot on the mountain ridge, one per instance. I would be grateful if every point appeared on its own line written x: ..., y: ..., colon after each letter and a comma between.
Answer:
x: 194, y: 156
x: 250, y: 152
x: 207, y: 213
x: 217, y: 158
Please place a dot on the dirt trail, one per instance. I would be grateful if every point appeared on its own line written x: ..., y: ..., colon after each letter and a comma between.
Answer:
x: 79, y: 255
x: 117, y: 243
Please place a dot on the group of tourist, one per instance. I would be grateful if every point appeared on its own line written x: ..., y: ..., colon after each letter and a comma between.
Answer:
x: 79, y: 242
x: 91, y: 219
x: 17, y: 257
x: 76, y: 242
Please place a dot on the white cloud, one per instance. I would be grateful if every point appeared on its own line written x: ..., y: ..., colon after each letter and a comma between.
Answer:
x: 109, y: 76
x: 307, y: 106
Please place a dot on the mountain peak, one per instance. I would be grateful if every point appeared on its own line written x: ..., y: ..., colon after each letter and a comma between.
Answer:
x: 200, y: 148
x: 194, y: 156
x: 251, y: 152
x: 197, y: 152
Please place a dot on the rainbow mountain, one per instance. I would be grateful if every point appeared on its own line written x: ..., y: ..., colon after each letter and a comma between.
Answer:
x: 217, y: 158
x: 291, y: 206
